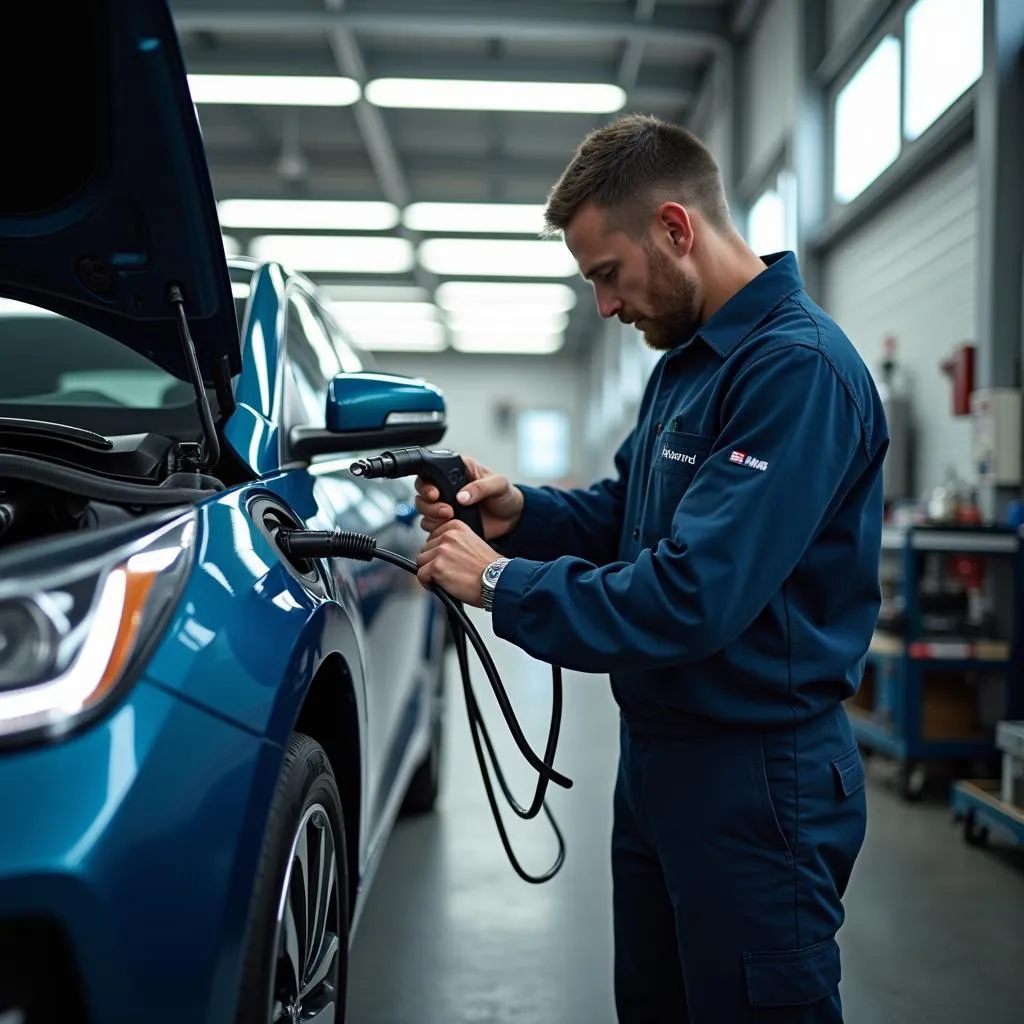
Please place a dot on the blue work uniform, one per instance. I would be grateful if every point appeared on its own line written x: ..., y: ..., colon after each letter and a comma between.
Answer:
x: 728, y: 580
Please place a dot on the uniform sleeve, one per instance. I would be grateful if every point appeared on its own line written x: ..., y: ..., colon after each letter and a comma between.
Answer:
x: 737, y: 533
x: 585, y: 523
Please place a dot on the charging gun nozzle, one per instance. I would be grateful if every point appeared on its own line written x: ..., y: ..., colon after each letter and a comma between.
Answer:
x: 373, y: 468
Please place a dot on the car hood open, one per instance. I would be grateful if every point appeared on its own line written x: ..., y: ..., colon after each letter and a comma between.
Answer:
x: 105, y: 195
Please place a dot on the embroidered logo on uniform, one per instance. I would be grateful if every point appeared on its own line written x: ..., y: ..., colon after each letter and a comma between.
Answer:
x: 671, y: 453
x: 742, y: 459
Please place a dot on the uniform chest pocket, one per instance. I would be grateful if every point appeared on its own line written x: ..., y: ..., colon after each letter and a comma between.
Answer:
x: 676, y: 459
x: 679, y: 454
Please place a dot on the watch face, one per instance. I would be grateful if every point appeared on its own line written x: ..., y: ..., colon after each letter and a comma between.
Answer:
x: 493, y: 572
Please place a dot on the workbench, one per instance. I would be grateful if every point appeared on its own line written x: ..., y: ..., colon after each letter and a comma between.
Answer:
x: 923, y: 691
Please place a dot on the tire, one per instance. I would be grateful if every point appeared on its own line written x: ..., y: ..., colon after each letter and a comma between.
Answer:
x: 425, y: 785
x: 305, y: 817
x: 974, y: 834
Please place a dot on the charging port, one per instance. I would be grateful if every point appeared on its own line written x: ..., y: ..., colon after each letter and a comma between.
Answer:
x: 271, y: 518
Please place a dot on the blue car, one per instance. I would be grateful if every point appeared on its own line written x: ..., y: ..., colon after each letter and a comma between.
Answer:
x: 204, y: 744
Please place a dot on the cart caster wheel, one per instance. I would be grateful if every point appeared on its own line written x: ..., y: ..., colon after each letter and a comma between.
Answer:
x: 911, y: 780
x: 974, y: 834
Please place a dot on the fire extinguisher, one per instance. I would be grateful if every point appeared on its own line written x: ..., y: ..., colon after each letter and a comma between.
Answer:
x: 960, y: 369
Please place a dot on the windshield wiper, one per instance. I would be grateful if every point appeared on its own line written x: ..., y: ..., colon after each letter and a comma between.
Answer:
x: 19, y: 427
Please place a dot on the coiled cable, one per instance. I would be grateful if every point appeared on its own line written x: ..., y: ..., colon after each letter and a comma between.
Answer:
x: 363, y: 547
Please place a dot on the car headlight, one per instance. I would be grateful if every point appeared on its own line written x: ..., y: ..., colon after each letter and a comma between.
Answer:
x: 71, y: 634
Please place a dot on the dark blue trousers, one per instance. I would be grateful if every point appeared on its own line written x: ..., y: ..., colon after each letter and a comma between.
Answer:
x: 731, y: 852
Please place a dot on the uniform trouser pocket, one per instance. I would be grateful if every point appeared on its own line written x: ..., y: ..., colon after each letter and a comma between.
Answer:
x: 795, y: 984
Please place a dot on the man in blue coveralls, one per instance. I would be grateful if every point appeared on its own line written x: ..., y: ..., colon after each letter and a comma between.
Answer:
x: 728, y: 579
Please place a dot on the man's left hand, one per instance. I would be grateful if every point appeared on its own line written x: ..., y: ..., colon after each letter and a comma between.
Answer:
x: 454, y: 558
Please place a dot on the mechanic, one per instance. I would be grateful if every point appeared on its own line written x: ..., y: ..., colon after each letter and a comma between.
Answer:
x: 727, y: 578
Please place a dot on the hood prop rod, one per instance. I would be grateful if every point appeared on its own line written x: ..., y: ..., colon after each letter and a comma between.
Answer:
x: 211, y: 454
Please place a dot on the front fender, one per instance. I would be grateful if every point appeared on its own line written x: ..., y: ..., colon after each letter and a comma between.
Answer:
x: 247, y: 637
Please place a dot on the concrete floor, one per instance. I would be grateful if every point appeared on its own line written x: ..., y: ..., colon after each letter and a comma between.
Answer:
x: 450, y: 935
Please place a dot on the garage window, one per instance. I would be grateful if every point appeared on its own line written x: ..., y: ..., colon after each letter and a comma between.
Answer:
x: 543, y: 444
x: 944, y: 55
x: 867, y: 122
x: 771, y: 222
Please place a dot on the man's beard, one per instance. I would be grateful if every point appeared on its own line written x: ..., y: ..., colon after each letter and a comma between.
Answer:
x: 672, y: 300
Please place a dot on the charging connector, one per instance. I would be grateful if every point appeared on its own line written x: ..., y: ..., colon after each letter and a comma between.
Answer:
x: 308, y: 544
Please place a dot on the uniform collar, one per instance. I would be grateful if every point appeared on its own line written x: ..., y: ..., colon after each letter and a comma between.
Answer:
x: 749, y: 306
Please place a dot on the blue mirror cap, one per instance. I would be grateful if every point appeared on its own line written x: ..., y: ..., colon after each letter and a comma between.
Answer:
x: 372, y: 401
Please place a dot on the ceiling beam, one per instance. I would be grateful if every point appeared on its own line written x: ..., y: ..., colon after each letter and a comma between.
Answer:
x: 702, y: 27
x: 633, y: 51
x: 744, y: 17
x: 372, y: 128
x: 379, y: 146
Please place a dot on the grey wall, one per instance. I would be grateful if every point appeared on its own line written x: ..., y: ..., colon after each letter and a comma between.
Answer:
x: 911, y: 272
x: 475, y: 386
x: 770, y: 94
x: 843, y: 17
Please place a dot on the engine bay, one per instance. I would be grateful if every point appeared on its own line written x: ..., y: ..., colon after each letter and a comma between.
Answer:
x: 57, y: 479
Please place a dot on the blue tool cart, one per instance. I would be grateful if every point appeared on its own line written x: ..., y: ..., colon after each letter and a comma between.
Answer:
x: 942, y: 668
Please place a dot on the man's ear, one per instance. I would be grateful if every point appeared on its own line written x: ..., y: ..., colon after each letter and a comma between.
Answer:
x: 675, y: 222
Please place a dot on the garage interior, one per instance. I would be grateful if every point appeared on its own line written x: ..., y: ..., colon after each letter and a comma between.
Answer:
x: 882, y: 141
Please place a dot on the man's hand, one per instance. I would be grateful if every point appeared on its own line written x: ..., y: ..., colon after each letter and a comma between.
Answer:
x: 454, y: 558
x: 500, y: 503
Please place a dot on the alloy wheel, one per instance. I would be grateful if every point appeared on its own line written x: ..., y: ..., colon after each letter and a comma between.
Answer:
x: 304, y: 986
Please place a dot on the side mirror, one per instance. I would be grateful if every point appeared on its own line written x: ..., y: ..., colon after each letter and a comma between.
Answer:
x: 374, y: 410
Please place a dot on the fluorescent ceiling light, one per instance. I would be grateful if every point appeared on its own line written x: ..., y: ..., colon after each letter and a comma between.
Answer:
x: 458, y: 295
x: 308, y: 214
x: 384, y: 312
x: 240, y: 289
x: 524, y: 343
x: 483, y: 218
x: 275, y: 90
x: 232, y: 247
x: 414, y: 336
x: 375, y: 292
x: 496, y: 257
x: 454, y: 94
x: 345, y: 254
x: 499, y: 319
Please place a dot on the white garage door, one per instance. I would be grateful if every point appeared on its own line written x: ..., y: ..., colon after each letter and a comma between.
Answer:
x: 910, y: 272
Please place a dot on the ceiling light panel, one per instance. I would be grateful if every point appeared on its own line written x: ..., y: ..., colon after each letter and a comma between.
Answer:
x: 344, y: 254
x: 494, y: 319
x: 496, y: 258
x: 274, y: 90
x: 384, y: 312
x: 462, y: 295
x: 457, y: 94
x: 374, y: 293
x: 508, y: 343
x: 307, y: 214
x: 422, y: 336
x: 482, y: 218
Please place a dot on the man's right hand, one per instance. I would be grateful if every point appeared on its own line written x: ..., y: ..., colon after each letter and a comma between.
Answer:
x: 500, y: 503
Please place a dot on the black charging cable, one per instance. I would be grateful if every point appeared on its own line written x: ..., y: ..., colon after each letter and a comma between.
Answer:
x: 363, y: 547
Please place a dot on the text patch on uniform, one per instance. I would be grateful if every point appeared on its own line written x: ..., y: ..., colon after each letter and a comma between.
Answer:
x: 743, y: 459
x: 676, y: 456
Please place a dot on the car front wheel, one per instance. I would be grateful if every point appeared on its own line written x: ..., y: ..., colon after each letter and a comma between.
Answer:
x: 296, y: 961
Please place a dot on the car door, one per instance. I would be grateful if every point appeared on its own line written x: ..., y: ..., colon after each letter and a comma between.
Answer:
x: 391, y: 601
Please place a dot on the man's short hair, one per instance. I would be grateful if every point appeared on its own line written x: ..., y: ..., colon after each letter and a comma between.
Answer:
x: 628, y: 168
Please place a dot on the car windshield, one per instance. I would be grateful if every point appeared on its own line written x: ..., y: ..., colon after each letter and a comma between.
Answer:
x: 56, y: 368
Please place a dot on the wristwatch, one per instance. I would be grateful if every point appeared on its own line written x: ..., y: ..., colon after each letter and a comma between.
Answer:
x: 489, y: 580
